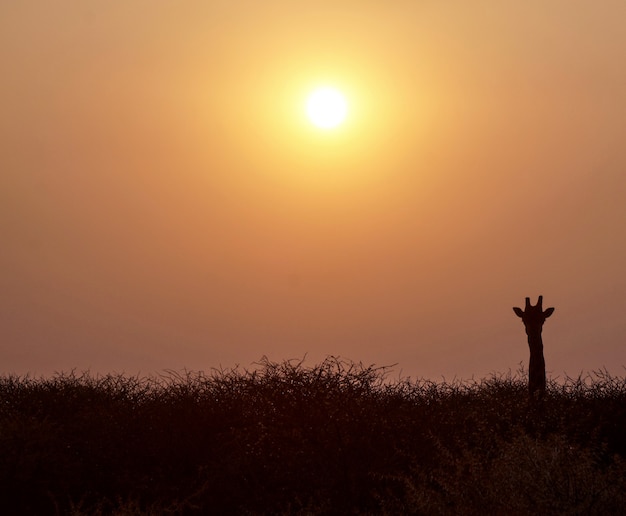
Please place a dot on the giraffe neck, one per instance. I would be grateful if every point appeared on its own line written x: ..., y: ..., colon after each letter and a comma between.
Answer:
x: 536, y: 365
x: 535, y: 342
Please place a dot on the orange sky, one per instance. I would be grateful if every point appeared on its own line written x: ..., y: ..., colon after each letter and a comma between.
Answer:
x: 165, y: 204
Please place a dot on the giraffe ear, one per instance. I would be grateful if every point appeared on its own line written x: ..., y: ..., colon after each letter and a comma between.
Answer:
x: 548, y: 312
x: 518, y: 311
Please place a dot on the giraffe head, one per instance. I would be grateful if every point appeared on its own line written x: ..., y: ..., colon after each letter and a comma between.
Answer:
x: 533, y: 317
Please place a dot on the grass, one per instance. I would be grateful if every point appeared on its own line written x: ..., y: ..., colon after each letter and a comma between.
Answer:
x: 335, y: 438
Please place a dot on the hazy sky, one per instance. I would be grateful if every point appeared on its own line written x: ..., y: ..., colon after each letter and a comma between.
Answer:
x: 164, y: 203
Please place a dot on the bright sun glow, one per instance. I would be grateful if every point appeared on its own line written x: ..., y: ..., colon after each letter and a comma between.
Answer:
x: 326, y: 108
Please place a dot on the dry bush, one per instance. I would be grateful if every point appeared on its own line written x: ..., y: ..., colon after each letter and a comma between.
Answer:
x: 337, y: 437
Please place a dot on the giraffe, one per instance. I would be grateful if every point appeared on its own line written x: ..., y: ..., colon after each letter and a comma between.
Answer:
x: 533, y: 318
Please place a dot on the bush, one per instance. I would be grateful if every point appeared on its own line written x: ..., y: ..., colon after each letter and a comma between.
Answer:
x: 337, y: 437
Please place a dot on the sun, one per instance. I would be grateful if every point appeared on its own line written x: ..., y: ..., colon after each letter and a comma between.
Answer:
x: 326, y: 108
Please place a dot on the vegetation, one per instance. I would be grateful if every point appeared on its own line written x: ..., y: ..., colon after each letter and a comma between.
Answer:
x: 335, y: 438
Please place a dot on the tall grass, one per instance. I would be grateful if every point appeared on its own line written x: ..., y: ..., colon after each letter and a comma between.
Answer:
x: 334, y: 438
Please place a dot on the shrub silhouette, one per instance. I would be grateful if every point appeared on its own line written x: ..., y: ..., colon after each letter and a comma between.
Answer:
x: 334, y: 438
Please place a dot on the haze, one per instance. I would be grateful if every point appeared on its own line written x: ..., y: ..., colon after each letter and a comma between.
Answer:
x: 165, y: 205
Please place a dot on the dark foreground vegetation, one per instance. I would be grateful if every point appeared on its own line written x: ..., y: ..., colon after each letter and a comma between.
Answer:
x: 336, y: 438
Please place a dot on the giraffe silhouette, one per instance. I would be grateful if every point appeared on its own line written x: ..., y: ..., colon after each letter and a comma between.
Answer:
x: 533, y: 318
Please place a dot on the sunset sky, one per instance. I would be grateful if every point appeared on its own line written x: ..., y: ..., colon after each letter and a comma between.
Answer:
x: 165, y: 203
